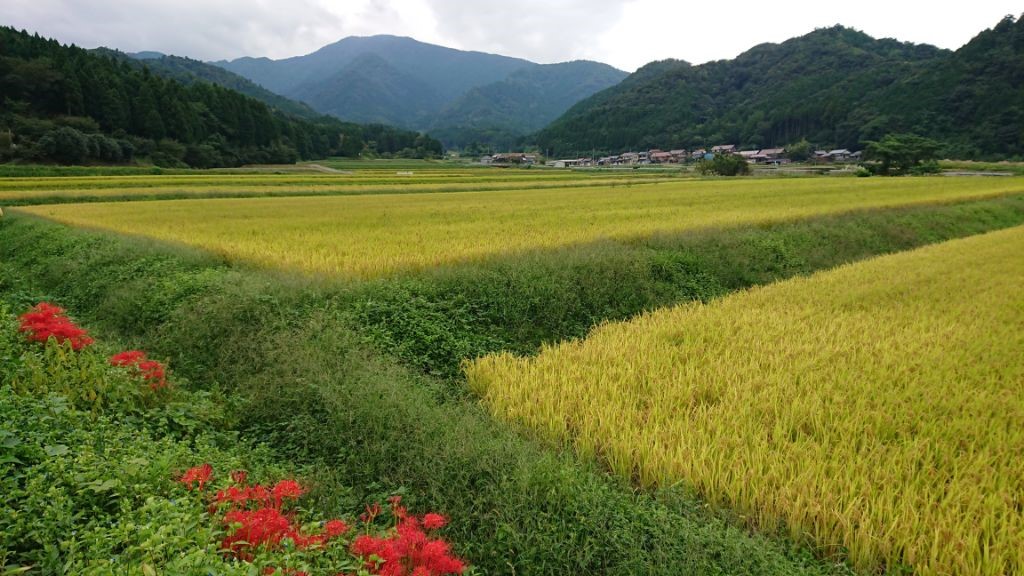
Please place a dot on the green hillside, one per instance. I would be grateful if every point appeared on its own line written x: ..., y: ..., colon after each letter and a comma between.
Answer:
x: 68, y: 105
x: 498, y: 114
x: 836, y: 87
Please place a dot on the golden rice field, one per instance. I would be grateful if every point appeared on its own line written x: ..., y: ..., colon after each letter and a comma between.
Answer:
x: 877, y: 408
x: 50, y: 189
x: 373, y: 235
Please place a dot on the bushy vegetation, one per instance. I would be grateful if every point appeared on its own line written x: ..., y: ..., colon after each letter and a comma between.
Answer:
x: 99, y: 475
x: 898, y: 154
x: 724, y: 165
x: 68, y: 105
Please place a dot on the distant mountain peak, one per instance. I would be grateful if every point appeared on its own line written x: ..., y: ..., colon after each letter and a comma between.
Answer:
x: 146, y: 55
x: 409, y: 83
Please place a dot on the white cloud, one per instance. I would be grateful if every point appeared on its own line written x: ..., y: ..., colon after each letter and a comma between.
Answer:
x: 624, y: 33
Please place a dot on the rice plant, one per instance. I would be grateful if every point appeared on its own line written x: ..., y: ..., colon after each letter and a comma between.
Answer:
x: 875, y: 410
x: 367, y: 236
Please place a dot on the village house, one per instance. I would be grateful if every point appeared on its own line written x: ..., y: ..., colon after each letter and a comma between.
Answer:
x: 572, y: 163
x: 724, y: 149
x: 511, y: 158
x: 659, y: 157
x: 765, y: 156
x: 630, y: 158
x: 837, y: 155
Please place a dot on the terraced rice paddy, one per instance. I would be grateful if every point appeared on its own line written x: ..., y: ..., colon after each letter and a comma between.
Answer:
x: 81, y: 188
x: 373, y: 235
x: 874, y: 409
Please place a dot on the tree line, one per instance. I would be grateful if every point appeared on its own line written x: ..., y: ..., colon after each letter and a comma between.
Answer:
x: 70, y: 105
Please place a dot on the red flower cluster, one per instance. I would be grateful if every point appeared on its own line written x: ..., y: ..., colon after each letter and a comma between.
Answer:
x: 256, y: 517
x: 409, y: 551
x: 46, y: 320
x: 152, y: 371
x: 197, y: 474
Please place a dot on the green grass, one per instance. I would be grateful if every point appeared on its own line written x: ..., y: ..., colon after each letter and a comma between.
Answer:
x: 89, y: 459
x: 1016, y: 168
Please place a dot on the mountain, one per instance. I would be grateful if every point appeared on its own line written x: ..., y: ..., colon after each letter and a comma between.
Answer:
x: 973, y: 100
x: 836, y: 87
x: 371, y: 89
x: 448, y: 72
x: 146, y: 55
x: 422, y: 86
x: 69, y: 105
x: 525, y: 102
x: 188, y: 71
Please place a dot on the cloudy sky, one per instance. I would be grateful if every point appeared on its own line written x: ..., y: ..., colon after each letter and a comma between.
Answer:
x: 624, y: 33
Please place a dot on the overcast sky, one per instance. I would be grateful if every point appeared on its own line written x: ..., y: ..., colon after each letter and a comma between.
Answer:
x: 624, y: 33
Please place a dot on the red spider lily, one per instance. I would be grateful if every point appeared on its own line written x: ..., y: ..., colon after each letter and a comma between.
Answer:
x: 255, y: 521
x: 151, y: 371
x: 237, y: 497
x: 127, y: 358
x: 45, y: 321
x: 197, y: 474
x: 265, y: 527
x: 335, y: 528
x: 286, y: 489
x: 397, y: 509
x: 371, y: 513
x: 433, y: 521
x: 408, y: 552
x: 154, y: 373
x: 240, y: 497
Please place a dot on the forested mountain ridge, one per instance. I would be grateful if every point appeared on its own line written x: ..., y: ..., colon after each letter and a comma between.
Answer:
x: 526, y: 101
x: 463, y: 95
x: 447, y: 71
x: 189, y: 71
x: 835, y: 87
x: 70, y: 105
